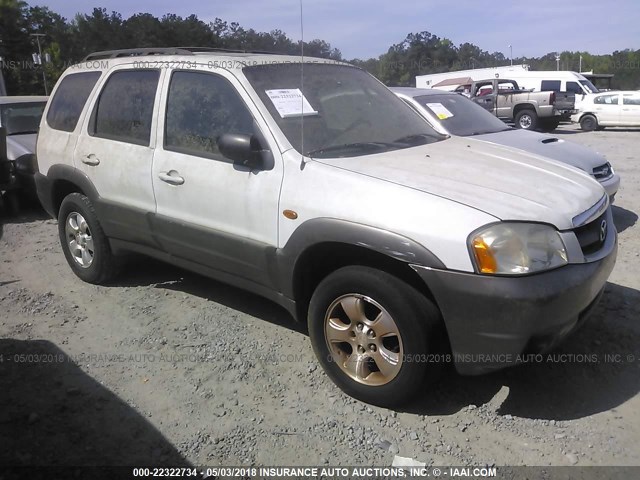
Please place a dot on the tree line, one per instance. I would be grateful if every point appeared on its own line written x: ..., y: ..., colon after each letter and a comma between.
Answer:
x: 64, y: 42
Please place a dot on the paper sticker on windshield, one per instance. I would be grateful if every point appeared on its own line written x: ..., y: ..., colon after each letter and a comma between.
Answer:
x: 290, y: 102
x: 440, y: 110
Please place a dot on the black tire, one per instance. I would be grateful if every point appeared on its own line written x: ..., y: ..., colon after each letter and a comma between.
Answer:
x: 104, y: 265
x: 419, y: 326
x: 549, y: 124
x: 526, y: 119
x: 589, y: 123
x: 12, y: 203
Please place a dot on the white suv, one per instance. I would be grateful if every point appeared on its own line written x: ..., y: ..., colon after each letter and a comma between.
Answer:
x: 310, y: 183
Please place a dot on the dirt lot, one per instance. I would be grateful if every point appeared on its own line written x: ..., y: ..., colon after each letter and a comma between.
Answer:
x: 168, y: 367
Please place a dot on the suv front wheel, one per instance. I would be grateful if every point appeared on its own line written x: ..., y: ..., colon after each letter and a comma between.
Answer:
x: 375, y: 335
x: 83, y: 241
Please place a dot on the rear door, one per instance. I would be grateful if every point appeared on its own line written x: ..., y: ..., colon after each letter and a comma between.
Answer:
x: 210, y: 210
x: 630, y: 113
x: 115, y: 150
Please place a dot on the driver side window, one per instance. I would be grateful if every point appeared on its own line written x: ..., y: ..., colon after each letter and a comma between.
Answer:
x: 201, y: 107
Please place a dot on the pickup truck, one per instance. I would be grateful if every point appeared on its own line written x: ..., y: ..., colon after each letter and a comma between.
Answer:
x: 528, y: 110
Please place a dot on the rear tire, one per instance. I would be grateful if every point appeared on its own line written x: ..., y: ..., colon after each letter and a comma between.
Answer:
x: 373, y: 334
x: 84, y: 243
x: 589, y: 123
x: 526, y: 119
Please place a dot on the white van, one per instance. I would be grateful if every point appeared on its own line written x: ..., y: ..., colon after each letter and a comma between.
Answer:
x: 557, y: 81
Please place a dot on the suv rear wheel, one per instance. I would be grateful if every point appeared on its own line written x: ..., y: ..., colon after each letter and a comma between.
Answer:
x: 373, y: 334
x: 83, y: 241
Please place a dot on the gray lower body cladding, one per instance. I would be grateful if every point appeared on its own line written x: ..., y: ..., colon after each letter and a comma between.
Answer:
x: 492, y: 321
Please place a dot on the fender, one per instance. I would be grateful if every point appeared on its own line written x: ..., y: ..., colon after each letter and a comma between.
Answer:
x: 331, y: 230
x: 47, y: 194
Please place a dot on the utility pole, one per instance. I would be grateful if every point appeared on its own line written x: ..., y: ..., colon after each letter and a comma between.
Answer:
x: 511, y: 54
x: 557, y: 62
x: 580, y: 71
x: 40, y: 62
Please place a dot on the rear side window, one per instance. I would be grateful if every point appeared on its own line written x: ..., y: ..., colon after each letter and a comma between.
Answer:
x: 68, y: 102
x: 631, y: 100
x: 200, y: 108
x: 550, y: 86
x: 124, y: 111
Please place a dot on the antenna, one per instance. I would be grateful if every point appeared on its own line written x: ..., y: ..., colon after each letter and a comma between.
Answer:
x: 301, y: 88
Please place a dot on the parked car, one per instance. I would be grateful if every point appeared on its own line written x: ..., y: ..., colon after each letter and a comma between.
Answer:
x: 401, y: 247
x: 609, y: 109
x: 452, y: 114
x: 20, y: 116
x: 528, y: 110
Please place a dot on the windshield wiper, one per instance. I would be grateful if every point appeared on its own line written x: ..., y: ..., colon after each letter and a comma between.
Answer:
x: 350, y: 148
x: 412, y: 139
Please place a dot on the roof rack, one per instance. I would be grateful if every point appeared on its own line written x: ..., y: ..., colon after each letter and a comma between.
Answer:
x: 137, y: 52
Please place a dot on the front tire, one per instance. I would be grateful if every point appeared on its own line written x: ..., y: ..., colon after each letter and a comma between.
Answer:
x: 589, y: 123
x: 373, y: 334
x: 526, y: 119
x: 84, y: 243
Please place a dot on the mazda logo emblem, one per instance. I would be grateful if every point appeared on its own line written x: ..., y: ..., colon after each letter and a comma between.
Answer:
x: 603, y: 230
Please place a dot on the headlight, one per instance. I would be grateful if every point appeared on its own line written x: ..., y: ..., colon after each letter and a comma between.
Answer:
x: 517, y: 248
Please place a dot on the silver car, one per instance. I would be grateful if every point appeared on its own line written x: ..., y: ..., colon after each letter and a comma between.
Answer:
x: 21, y: 118
x: 454, y: 114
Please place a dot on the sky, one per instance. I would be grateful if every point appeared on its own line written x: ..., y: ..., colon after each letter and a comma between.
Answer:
x: 364, y: 29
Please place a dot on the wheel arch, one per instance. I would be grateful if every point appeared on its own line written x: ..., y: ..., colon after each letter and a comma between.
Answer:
x: 321, y: 246
x: 524, y: 106
x: 66, y: 180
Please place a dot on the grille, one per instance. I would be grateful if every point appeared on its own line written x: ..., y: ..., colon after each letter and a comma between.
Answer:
x: 589, y: 235
x: 603, y: 171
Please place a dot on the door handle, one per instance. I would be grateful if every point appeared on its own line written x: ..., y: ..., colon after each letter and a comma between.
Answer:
x: 171, y: 177
x: 91, y: 159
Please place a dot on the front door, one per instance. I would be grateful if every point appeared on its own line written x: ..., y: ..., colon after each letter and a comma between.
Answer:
x: 210, y: 210
x: 607, y: 109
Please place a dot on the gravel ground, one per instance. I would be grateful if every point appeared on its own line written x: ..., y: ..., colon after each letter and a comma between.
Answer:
x: 167, y: 367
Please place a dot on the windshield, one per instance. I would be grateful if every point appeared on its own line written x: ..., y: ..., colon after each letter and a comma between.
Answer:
x: 346, y: 111
x: 460, y: 116
x: 589, y: 86
x: 21, y: 118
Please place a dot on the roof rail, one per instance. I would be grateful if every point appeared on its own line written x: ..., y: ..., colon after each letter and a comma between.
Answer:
x: 136, y: 52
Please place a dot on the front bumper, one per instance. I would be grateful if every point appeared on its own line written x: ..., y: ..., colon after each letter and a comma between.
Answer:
x: 611, y: 185
x: 491, y: 321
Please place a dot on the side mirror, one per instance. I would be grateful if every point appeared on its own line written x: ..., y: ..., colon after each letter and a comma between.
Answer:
x: 245, y: 150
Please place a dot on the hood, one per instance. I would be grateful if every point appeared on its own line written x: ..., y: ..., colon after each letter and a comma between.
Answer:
x: 506, y: 183
x: 547, y: 146
x: 18, y: 145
